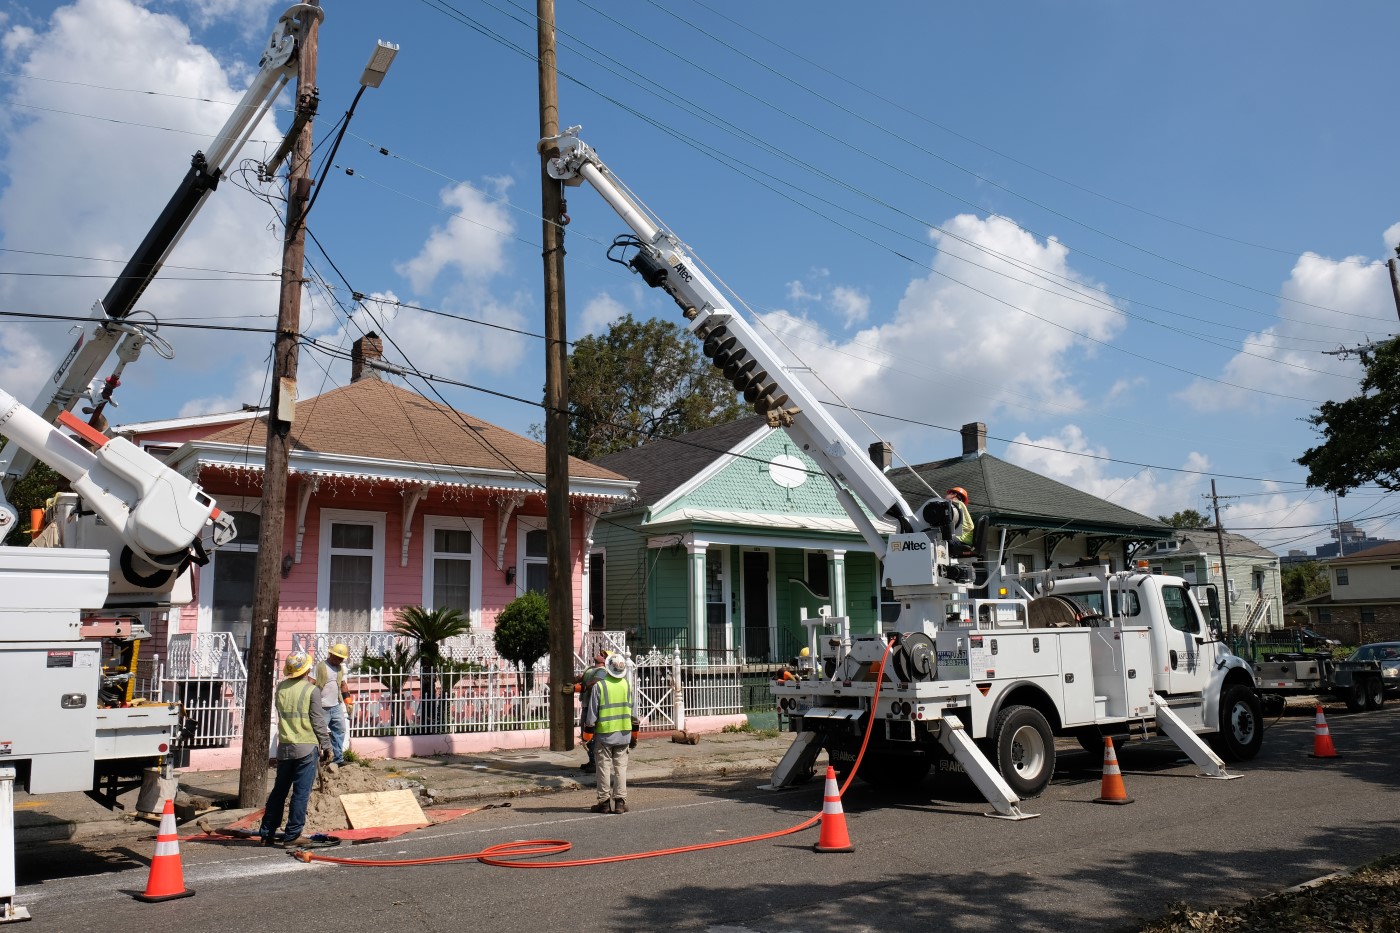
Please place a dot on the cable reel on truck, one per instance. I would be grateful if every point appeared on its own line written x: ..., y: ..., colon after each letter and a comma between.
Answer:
x: 914, y: 657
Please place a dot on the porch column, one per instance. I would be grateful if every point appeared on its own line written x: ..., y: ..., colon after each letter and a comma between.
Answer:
x: 699, y: 627
x: 836, y: 559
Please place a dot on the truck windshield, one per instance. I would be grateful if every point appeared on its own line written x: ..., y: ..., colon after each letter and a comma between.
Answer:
x: 1127, y: 602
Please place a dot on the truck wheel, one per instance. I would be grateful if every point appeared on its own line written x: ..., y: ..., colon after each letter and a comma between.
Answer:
x: 1356, y: 694
x: 1375, y: 693
x: 1025, y: 750
x: 1241, y: 724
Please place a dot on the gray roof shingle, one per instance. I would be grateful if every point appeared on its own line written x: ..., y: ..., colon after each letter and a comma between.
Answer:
x: 662, y: 465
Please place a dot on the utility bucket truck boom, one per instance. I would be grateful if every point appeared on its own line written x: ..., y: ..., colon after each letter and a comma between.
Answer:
x: 123, y: 537
x: 985, y: 684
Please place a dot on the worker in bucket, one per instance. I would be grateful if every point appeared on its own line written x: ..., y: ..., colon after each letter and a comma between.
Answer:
x: 335, y: 698
x: 585, y: 681
x: 302, y: 740
x: 962, y: 525
x: 610, y: 720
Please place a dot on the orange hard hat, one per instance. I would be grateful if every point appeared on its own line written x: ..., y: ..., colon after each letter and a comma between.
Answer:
x: 960, y: 493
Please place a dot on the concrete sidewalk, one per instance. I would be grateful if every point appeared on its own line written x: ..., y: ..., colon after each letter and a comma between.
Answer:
x: 440, y: 780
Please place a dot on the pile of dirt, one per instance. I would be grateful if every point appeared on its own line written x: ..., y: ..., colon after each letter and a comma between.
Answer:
x: 325, y: 814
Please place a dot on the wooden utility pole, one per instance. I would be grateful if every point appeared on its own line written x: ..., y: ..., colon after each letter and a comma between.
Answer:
x: 1394, y: 281
x: 556, y: 406
x: 1224, y: 567
x: 267, y: 592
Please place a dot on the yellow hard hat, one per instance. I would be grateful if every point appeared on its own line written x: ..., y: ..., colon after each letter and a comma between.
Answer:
x: 297, y: 663
x: 805, y: 653
x: 340, y: 651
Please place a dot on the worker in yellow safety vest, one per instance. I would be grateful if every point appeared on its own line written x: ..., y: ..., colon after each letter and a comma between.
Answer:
x: 301, y: 734
x: 962, y: 526
x: 610, y: 721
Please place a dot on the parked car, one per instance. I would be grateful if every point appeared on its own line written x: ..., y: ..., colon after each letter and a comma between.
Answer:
x: 1387, y: 654
x: 1311, y: 639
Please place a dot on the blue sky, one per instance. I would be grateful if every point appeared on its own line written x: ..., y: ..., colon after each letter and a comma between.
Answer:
x: 1106, y: 229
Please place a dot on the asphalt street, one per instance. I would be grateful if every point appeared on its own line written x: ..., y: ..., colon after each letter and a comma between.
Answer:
x: 928, y: 860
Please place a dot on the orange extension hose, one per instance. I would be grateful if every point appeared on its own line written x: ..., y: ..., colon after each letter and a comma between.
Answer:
x: 505, y: 854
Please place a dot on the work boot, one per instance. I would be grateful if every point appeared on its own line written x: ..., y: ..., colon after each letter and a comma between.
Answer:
x: 619, y: 805
x: 297, y: 841
x: 588, y: 767
x: 602, y: 806
x: 270, y: 840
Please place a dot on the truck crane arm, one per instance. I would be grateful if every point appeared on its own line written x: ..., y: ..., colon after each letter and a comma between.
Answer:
x: 159, y: 514
x: 109, y: 324
x: 767, y: 383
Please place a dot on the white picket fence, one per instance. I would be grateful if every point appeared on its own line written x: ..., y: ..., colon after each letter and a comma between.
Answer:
x: 475, y: 689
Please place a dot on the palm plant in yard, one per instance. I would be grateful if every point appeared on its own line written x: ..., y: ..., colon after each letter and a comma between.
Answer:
x: 429, y: 628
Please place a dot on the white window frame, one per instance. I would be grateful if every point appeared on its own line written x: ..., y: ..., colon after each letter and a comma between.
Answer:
x: 379, y: 522
x: 523, y: 525
x: 1188, y: 571
x: 474, y: 527
x: 204, y: 611
x: 726, y: 589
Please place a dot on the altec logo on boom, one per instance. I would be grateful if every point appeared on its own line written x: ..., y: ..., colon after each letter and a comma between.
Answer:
x: 909, y: 546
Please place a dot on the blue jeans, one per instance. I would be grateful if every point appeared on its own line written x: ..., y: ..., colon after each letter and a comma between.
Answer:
x: 296, y: 775
x: 339, y: 725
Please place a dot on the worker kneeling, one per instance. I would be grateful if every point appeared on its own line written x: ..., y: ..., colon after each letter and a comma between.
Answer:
x: 609, y: 717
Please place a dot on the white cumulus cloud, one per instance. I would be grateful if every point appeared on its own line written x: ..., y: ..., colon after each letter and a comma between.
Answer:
x: 472, y: 242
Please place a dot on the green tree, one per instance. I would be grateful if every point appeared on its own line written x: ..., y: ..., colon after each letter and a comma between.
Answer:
x: 1304, y: 581
x: 642, y: 379
x: 1186, y: 518
x: 31, y: 493
x: 522, y: 632
x: 1361, y: 435
x: 430, y: 628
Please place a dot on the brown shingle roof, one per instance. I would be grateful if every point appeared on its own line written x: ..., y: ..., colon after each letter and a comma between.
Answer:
x: 377, y: 419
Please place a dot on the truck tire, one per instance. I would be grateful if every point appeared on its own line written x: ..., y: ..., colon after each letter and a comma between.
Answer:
x: 1241, y: 724
x: 1375, y: 693
x: 1355, y: 695
x: 1025, y: 750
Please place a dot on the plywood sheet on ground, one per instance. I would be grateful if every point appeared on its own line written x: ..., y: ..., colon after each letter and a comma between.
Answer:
x: 383, y: 808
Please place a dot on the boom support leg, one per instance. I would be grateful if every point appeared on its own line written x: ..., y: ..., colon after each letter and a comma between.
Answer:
x: 796, y: 765
x: 1189, y: 742
x: 954, y: 738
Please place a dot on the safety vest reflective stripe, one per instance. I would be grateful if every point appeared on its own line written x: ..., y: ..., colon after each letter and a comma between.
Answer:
x: 614, y: 706
x: 294, y: 712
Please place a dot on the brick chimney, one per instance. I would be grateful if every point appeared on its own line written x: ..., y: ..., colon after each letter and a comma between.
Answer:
x: 974, y: 435
x: 881, y: 454
x: 362, y: 351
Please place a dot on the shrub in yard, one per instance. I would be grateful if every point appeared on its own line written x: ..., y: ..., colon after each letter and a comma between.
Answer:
x: 522, y: 632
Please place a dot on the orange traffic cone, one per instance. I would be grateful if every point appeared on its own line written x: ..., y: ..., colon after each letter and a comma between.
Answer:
x: 1322, y: 739
x: 833, y: 837
x: 1111, y: 790
x: 167, y: 879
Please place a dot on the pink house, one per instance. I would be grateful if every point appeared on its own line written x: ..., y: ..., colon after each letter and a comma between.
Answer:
x: 392, y: 501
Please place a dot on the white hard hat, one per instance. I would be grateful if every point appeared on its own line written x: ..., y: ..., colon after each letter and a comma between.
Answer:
x: 616, y: 665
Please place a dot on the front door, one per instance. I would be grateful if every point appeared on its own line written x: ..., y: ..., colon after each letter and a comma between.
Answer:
x: 758, y: 639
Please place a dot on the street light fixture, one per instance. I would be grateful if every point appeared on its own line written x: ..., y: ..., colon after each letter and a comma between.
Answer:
x: 379, y: 62
x: 378, y: 67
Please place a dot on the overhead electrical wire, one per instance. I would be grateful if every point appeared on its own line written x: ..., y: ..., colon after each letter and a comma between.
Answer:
x: 930, y: 122
x: 674, y: 97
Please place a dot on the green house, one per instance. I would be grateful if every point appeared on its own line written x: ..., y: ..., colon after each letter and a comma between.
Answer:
x: 735, y: 536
